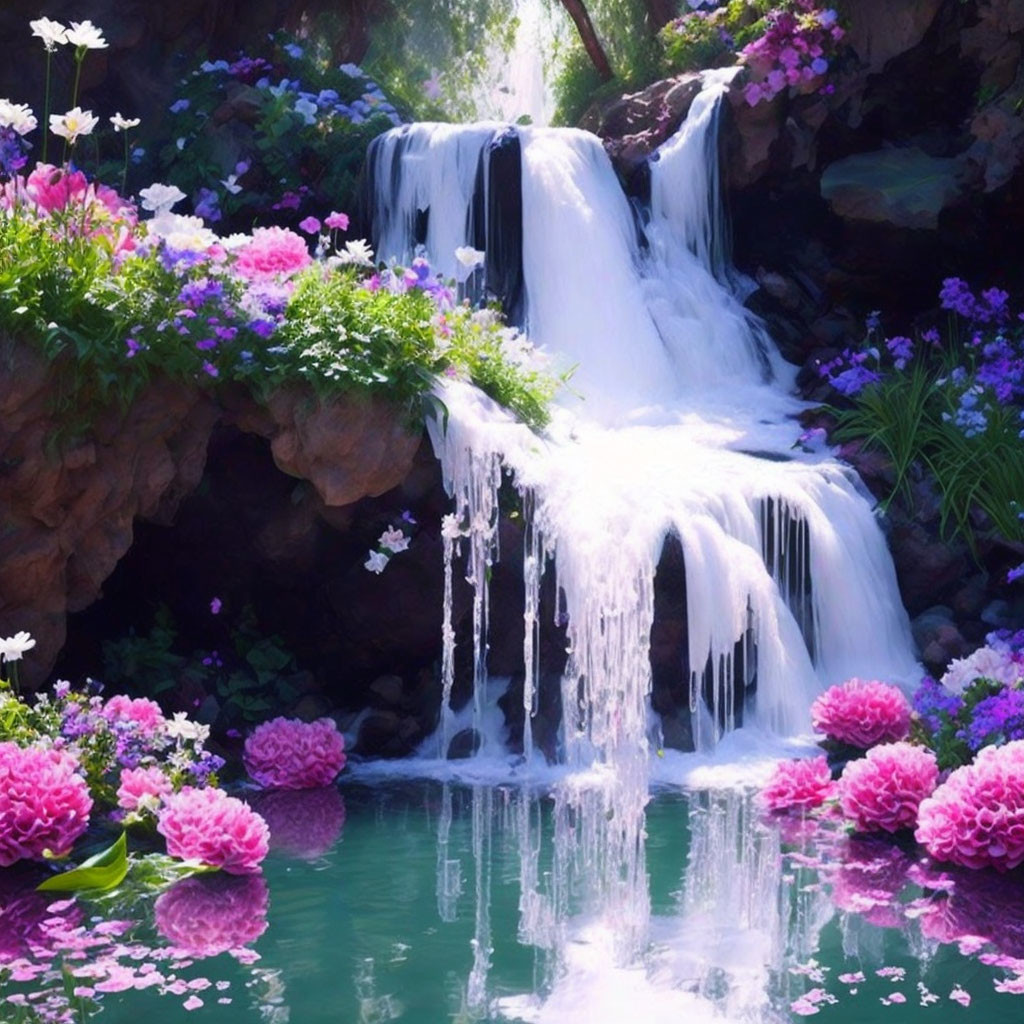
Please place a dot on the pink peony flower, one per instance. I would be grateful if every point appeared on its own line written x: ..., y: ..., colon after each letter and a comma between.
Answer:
x: 303, y: 823
x: 209, y: 826
x: 44, y: 803
x: 976, y: 817
x: 862, y: 713
x: 805, y: 783
x: 288, y: 754
x: 272, y: 252
x: 882, y: 792
x: 207, y: 916
x: 142, y: 789
x: 146, y: 714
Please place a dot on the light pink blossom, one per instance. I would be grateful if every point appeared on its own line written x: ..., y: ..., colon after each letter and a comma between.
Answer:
x: 803, y: 784
x: 882, y: 791
x: 862, y: 713
x: 218, y: 830
x: 142, y: 789
x: 272, y: 252
x: 44, y: 803
x: 286, y: 753
x: 145, y: 713
x: 976, y: 817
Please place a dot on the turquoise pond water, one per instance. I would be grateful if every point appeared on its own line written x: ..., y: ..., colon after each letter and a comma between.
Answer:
x: 384, y: 900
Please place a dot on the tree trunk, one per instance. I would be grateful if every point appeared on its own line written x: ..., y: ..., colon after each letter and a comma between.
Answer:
x: 660, y: 13
x: 578, y: 12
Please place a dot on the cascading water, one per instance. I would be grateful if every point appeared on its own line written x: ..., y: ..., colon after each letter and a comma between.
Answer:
x: 679, y: 421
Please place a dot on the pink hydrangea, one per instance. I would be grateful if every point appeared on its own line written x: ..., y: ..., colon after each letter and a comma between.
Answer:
x: 862, y: 713
x: 882, y: 791
x: 303, y: 823
x: 213, y: 828
x: 272, y: 252
x: 44, y: 803
x: 146, y: 714
x: 207, y: 916
x: 285, y: 753
x: 142, y: 789
x: 976, y: 817
x: 805, y: 783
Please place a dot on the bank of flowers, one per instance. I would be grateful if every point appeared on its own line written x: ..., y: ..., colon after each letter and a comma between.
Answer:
x: 947, y: 406
x: 116, y: 289
x: 785, y: 44
x: 949, y: 770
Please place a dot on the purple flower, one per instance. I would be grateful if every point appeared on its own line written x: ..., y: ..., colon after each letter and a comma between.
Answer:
x: 310, y: 225
x: 901, y: 349
x: 996, y: 720
x: 934, y: 704
x: 133, y: 346
x: 337, y: 221
x: 819, y: 65
x: 207, y: 205
x: 263, y: 328
x: 205, y: 345
x: 957, y: 297
x: 1015, y: 574
x: 293, y: 50
x: 215, y: 606
x: 178, y: 106
x: 210, y: 369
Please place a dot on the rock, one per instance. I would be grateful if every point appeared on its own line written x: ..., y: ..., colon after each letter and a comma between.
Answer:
x: 999, y: 147
x: 925, y: 565
x: 347, y: 448
x: 463, y: 745
x: 311, y: 707
x: 388, y: 734
x: 905, y: 187
x: 387, y: 692
x: 880, y: 30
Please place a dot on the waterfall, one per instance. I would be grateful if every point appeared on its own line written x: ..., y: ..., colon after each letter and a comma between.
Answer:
x: 680, y: 421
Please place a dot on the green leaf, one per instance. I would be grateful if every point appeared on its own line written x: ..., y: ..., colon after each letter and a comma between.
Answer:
x: 102, y: 871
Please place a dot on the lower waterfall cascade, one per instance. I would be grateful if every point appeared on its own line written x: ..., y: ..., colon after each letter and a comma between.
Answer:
x: 679, y: 420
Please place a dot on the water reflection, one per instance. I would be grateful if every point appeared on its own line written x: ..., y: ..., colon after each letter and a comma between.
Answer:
x: 211, y: 914
x: 304, y: 823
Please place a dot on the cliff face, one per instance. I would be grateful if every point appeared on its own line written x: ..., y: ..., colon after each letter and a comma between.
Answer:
x: 68, y: 505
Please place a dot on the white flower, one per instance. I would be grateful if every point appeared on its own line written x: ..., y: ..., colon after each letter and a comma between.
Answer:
x: 393, y: 540
x: 160, y: 198
x: 52, y: 33
x: 13, y: 647
x: 17, y: 116
x: 122, y: 124
x: 356, y: 252
x: 231, y: 184
x: 74, y: 123
x: 235, y: 241
x: 450, y: 528
x: 181, y: 727
x: 85, y: 35
x: 376, y: 562
x: 469, y: 257
x: 983, y: 663
x: 306, y: 109
x: 182, y: 234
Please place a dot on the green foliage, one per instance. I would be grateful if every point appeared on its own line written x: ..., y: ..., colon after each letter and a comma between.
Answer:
x: 147, y: 663
x: 103, y: 871
x: 451, y: 44
x: 310, y: 157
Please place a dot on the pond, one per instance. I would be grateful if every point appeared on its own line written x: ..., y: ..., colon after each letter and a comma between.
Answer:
x: 423, y: 901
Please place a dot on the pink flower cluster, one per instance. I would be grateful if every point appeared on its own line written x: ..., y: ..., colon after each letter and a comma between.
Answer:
x: 976, y: 817
x: 882, y: 792
x: 802, y: 784
x: 862, y: 713
x: 98, y: 210
x: 272, y: 252
x: 793, y: 52
x: 142, y: 789
x: 146, y: 714
x: 215, y: 829
x: 208, y: 916
x: 44, y: 802
x: 285, y: 753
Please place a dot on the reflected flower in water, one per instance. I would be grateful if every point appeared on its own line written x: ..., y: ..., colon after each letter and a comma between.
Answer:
x: 303, y: 823
x: 27, y: 917
x: 209, y: 915
x: 868, y: 879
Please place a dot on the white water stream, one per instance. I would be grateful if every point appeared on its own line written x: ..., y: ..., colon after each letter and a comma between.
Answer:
x: 680, y: 420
